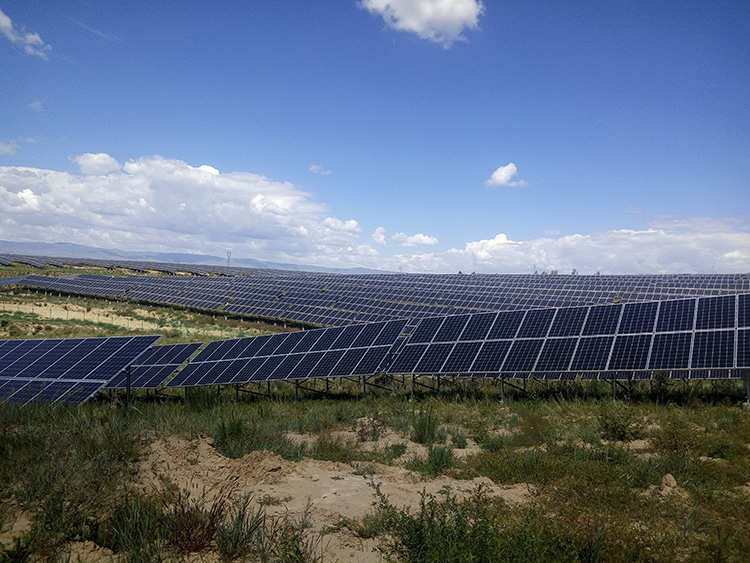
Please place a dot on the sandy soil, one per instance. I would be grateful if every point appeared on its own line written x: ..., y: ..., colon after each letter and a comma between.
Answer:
x: 328, y: 490
x: 107, y: 317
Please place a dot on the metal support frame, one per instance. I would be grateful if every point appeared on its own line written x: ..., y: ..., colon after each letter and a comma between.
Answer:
x: 366, y: 382
x: 298, y: 386
x: 127, y: 388
x: 239, y: 389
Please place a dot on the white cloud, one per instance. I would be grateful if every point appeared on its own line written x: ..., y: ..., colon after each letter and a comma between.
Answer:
x: 417, y: 240
x: 318, y: 169
x: 159, y: 204
x: 31, y: 43
x: 503, y: 176
x: 9, y: 147
x: 689, y: 246
x: 378, y: 237
x: 440, y: 21
x: 155, y: 203
x: 36, y: 105
x: 96, y: 164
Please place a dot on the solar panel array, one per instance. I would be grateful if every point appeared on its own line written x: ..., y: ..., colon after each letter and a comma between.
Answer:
x: 64, y: 370
x: 338, y: 300
x: 680, y: 335
x: 334, y: 352
x: 551, y: 326
x: 152, y: 369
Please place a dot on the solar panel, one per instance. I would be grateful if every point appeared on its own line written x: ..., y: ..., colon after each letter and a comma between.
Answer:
x: 716, y: 313
x: 68, y: 370
x: 556, y: 354
x: 671, y: 351
x: 631, y: 352
x: 295, y: 355
x: 714, y: 349
x: 676, y: 315
x: 569, y: 321
x: 152, y: 369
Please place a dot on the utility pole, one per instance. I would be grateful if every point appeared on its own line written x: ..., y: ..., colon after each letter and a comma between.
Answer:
x: 229, y: 257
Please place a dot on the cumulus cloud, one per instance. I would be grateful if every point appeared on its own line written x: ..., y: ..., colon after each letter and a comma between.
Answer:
x: 29, y: 42
x: 503, y: 177
x: 378, y: 237
x: 318, y: 169
x: 440, y: 21
x: 96, y: 164
x: 155, y: 203
x: 416, y: 240
x: 9, y: 147
x: 689, y: 246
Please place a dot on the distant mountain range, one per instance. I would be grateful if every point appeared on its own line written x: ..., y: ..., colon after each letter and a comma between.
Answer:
x: 80, y: 251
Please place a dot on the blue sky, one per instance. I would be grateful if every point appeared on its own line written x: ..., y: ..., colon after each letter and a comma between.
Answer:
x: 422, y: 135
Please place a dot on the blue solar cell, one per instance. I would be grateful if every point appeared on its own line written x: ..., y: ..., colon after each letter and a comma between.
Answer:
x: 491, y: 356
x: 286, y: 366
x: 248, y: 369
x: 271, y: 343
x: 670, y: 351
x: 743, y: 311
x: 291, y: 340
x: 592, y: 353
x: 713, y: 349
x: 451, y: 329
x: 433, y: 358
x: 372, y: 360
x: 602, y: 320
x: 326, y: 364
x: 265, y: 370
x: 536, y: 323
x: 631, y: 352
x: 478, y: 326
x: 461, y: 357
x: 391, y: 331
x: 556, y: 354
x: 348, y: 362
x: 716, y: 312
x: 638, y: 317
x: 368, y: 335
x: 426, y: 330
x: 347, y: 336
x: 306, y: 365
x: 568, y: 321
x: 408, y: 358
x: 327, y: 339
x: 523, y: 355
x: 676, y: 315
x: 743, y: 348
x: 506, y: 325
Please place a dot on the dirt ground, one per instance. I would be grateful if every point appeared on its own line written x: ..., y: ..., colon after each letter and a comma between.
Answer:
x: 107, y: 317
x: 327, y: 491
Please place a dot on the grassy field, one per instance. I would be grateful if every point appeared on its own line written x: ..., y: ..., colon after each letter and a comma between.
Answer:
x: 611, y: 480
x: 662, y: 474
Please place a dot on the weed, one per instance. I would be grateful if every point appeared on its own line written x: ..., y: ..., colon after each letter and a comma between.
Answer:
x: 618, y: 421
x: 237, y: 536
x: 191, y: 523
x: 425, y: 427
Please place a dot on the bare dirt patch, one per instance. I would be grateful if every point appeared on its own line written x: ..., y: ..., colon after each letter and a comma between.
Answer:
x: 329, y: 491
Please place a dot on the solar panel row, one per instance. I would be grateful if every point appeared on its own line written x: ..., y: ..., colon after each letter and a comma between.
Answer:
x: 337, y: 300
x: 68, y: 370
x: 335, y: 352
